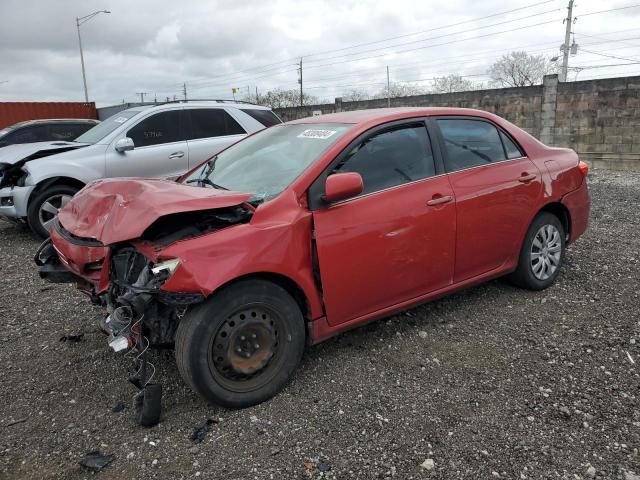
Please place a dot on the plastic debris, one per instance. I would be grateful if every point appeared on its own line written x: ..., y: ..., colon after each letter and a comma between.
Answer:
x: 72, y: 337
x: 323, y: 467
x: 96, y: 461
x: 199, y: 433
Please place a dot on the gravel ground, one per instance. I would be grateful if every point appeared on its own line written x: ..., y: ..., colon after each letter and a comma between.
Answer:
x: 493, y: 382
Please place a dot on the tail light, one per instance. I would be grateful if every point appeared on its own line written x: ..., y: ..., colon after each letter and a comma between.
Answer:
x: 584, y: 168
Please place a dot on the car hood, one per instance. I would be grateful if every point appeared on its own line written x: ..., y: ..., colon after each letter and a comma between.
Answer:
x: 30, y: 151
x: 113, y: 211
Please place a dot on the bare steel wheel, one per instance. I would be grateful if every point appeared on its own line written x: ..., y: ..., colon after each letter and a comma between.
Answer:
x: 44, y: 207
x: 545, y: 252
x: 242, y: 345
x: 542, y: 253
x: 245, y: 346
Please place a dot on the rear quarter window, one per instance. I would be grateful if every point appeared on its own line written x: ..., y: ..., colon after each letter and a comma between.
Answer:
x: 265, y: 117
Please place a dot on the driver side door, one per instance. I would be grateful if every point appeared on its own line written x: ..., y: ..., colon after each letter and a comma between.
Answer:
x: 394, y: 242
x: 160, y: 148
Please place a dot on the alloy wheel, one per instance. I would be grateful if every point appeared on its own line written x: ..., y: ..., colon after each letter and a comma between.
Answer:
x: 49, y: 209
x: 546, y: 251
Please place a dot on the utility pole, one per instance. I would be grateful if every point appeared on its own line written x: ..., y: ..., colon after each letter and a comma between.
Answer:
x: 300, y: 82
x: 388, y: 89
x: 256, y: 94
x: 142, y: 94
x: 184, y: 90
x: 566, y: 48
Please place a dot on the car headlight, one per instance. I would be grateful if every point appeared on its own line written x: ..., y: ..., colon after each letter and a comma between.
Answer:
x: 168, y: 266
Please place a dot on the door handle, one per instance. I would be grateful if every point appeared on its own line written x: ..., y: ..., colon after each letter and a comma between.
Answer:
x: 176, y: 155
x: 526, y: 177
x: 439, y: 200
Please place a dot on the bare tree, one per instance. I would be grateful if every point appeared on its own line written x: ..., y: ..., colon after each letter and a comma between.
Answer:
x: 520, y: 69
x: 400, y: 90
x: 356, y: 95
x: 451, y: 83
x: 279, y: 98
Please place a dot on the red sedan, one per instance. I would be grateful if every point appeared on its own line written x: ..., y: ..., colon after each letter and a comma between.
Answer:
x: 309, y: 228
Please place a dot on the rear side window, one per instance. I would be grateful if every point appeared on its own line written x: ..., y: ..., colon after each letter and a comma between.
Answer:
x: 265, y: 117
x: 33, y: 133
x: 163, y: 127
x: 212, y: 122
x: 391, y: 158
x: 469, y: 143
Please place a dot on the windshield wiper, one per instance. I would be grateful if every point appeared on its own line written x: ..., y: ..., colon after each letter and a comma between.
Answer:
x: 206, y: 181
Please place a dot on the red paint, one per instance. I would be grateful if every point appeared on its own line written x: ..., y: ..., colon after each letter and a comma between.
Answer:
x: 343, y: 185
x: 115, y: 210
x: 376, y: 254
x: 14, y: 112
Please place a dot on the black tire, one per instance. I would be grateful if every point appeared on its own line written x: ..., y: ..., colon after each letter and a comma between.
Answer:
x: 33, y: 212
x: 148, y: 405
x: 525, y: 275
x: 207, y: 337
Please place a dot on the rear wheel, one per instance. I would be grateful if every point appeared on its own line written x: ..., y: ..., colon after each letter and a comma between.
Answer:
x: 542, y: 253
x: 242, y: 345
x: 43, y: 209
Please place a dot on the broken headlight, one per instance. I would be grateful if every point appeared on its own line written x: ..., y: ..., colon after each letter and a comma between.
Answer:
x: 168, y: 266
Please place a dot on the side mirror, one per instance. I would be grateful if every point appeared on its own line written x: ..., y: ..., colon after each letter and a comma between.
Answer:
x: 341, y: 186
x: 124, y: 144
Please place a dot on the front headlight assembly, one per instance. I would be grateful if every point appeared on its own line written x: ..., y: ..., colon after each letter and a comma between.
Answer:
x: 168, y: 266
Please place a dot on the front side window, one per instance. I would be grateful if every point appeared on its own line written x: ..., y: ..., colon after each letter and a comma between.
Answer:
x: 63, y: 131
x: 391, y: 158
x: 470, y: 143
x: 163, y: 127
x: 267, y: 162
x: 212, y: 122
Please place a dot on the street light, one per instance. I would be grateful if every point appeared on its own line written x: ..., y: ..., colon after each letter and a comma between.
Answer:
x: 80, y: 21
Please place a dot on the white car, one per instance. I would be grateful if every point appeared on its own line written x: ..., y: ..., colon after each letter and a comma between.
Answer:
x: 38, y: 179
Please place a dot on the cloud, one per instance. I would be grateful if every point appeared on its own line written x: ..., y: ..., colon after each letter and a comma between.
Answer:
x: 155, y: 45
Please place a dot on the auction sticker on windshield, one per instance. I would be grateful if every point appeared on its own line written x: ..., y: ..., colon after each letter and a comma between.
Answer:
x: 320, y: 134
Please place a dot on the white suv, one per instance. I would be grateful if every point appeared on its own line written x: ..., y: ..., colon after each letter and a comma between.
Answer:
x: 38, y: 179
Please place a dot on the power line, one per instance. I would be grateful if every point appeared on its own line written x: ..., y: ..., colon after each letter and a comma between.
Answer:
x: 440, y: 36
x: 431, y: 29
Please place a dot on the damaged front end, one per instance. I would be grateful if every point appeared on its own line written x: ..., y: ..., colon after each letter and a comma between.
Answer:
x: 129, y: 279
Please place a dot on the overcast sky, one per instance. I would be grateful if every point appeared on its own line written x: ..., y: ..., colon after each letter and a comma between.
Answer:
x: 154, y: 46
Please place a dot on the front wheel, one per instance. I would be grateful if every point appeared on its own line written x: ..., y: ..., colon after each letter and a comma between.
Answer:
x: 43, y: 209
x: 241, y: 346
x: 542, y: 253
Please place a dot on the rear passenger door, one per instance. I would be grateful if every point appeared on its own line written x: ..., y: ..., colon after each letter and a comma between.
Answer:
x: 209, y: 130
x: 160, y: 148
x: 496, y: 189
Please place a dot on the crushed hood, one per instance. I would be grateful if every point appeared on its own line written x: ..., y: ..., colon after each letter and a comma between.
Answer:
x: 116, y: 210
x: 30, y: 151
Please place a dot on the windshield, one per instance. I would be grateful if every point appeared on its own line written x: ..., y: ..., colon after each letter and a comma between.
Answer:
x: 101, y: 130
x: 266, y: 163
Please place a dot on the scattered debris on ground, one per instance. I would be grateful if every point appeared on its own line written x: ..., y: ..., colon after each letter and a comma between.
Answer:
x: 96, y: 461
x: 486, y: 390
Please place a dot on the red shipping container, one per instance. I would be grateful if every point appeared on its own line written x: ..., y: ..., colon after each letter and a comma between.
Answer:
x: 13, y: 112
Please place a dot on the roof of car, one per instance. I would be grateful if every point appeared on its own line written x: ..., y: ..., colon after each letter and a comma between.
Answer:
x: 209, y: 103
x: 52, y: 120
x: 388, y: 114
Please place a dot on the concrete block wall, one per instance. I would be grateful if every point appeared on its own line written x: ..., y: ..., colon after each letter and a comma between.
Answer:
x: 599, y: 119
